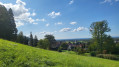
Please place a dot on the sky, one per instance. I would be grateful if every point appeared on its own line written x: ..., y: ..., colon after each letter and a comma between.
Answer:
x: 65, y: 19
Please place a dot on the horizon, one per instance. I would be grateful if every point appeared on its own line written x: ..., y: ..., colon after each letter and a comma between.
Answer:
x: 65, y: 19
x: 84, y: 38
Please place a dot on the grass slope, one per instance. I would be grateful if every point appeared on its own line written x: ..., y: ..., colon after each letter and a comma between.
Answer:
x: 18, y: 55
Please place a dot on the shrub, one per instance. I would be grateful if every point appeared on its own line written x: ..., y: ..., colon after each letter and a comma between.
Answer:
x: 108, y: 56
x: 104, y: 51
x: 79, y: 51
x: 93, y: 53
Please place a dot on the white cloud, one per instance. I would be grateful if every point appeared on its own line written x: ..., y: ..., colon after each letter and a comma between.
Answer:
x: 45, y: 33
x: 47, y: 24
x: 109, y: 1
x: 65, y: 30
x: 21, y: 13
x: 43, y: 20
x: 73, y: 23
x: 35, y: 23
x: 116, y: 0
x: 18, y: 24
x: 27, y: 35
x: 80, y: 29
x: 33, y: 14
x: 54, y: 14
x: 59, y: 23
x: 37, y: 19
x: 55, y: 31
x: 71, y: 2
x: 31, y: 20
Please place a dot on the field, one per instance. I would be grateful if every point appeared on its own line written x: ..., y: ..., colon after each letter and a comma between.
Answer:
x: 17, y: 55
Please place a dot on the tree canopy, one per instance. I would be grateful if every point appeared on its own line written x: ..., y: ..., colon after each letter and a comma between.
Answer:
x: 52, y: 40
x: 100, y: 38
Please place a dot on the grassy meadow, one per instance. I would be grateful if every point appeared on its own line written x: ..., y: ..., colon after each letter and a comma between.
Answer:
x: 18, y: 55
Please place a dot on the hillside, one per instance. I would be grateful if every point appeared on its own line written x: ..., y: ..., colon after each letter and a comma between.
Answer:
x: 17, y: 55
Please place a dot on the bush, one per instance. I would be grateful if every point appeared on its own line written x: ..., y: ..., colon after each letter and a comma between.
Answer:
x: 108, y: 56
x: 93, y: 53
x: 79, y: 51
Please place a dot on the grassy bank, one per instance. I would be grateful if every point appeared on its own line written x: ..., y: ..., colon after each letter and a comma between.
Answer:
x: 17, y: 55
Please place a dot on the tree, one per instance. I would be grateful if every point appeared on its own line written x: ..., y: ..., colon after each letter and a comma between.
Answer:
x: 4, y: 22
x: 26, y: 39
x: 52, y: 41
x: 98, y: 30
x: 46, y: 43
x: 64, y: 46
x: 12, y: 25
x: 40, y: 43
x: 20, y: 37
x: 31, y: 39
x: 35, y: 41
x: 109, y: 44
x: 43, y: 43
x: 93, y: 46
x: 7, y: 25
x: 116, y: 50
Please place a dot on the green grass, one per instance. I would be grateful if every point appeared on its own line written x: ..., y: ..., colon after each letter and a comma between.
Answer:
x: 18, y: 55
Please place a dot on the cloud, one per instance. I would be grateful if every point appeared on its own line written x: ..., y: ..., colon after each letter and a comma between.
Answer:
x: 33, y: 14
x: 47, y: 33
x: 55, y: 31
x: 80, y: 29
x: 47, y: 24
x: 28, y: 35
x: 71, y: 2
x: 37, y: 19
x: 21, y: 13
x: 31, y: 20
x: 65, y: 30
x: 59, y: 23
x: 109, y: 1
x: 43, y: 20
x: 35, y: 23
x: 54, y: 14
x: 18, y: 24
x: 73, y: 23
x: 116, y: 0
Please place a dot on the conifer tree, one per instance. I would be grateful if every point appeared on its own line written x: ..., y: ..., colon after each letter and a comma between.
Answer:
x: 12, y: 25
x: 20, y: 38
x: 31, y: 39
x: 26, y: 39
x: 8, y: 28
x: 35, y: 41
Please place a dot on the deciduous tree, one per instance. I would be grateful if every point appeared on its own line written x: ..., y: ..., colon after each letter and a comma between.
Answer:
x: 52, y: 40
x: 98, y: 31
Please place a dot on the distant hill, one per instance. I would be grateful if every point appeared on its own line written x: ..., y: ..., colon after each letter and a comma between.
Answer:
x: 75, y: 39
x: 82, y: 39
x: 18, y: 55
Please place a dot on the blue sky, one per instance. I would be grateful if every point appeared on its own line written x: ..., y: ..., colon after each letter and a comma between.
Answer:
x: 63, y: 18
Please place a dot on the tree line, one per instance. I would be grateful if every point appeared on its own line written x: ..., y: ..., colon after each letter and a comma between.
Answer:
x: 31, y: 41
x: 47, y: 43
